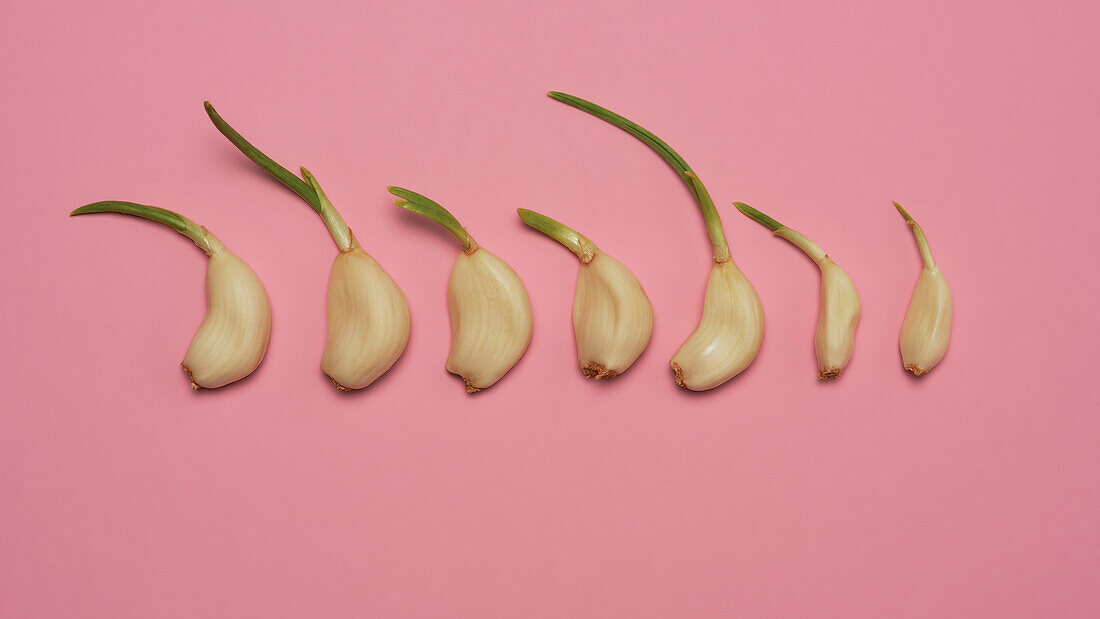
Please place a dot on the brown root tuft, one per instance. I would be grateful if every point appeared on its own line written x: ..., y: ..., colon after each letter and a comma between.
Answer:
x: 191, y: 377
x: 597, y: 371
x: 679, y: 375
x: 338, y: 385
x: 916, y: 370
x: 829, y: 374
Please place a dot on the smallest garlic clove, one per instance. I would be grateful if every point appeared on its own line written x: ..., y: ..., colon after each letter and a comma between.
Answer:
x: 927, y: 326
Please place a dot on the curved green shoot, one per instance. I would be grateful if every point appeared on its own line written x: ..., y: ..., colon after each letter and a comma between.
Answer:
x: 173, y: 220
x: 412, y: 201
x: 758, y: 217
x: 797, y: 239
x: 922, y: 241
x: 284, y: 176
x: 710, y: 214
x: 570, y: 238
x: 339, y: 230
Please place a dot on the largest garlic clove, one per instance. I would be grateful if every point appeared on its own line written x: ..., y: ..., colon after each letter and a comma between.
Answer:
x: 838, y: 316
x: 368, y: 321
x: 233, y: 336
x: 927, y: 326
x: 612, y: 317
x: 491, y: 320
x: 729, y: 335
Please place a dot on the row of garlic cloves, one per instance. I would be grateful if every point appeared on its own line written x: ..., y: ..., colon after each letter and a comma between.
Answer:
x: 490, y: 311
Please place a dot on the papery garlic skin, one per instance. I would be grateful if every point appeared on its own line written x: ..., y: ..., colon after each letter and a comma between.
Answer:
x: 233, y: 336
x: 491, y: 320
x: 612, y: 317
x: 837, y: 319
x: 729, y: 335
x: 368, y: 321
x: 927, y: 325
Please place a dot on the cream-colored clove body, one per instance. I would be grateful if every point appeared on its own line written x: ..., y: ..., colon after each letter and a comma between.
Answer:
x: 927, y: 325
x: 233, y: 336
x: 729, y: 335
x: 368, y: 321
x: 836, y: 321
x: 490, y: 318
x: 612, y: 317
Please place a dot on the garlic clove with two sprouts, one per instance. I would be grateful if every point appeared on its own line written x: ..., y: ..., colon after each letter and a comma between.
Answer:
x: 731, y: 330
x: 231, y: 340
x: 612, y: 316
x: 927, y: 325
x: 838, y: 311
x: 368, y: 315
x: 490, y: 311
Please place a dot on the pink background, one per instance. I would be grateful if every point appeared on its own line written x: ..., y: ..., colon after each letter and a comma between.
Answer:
x: 971, y: 493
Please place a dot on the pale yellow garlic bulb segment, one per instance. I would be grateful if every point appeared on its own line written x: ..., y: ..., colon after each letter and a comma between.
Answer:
x: 491, y: 320
x: 231, y: 340
x: 233, y: 336
x: 490, y: 311
x: 729, y: 334
x: 612, y: 315
x: 368, y: 321
x: 838, y: 309
x: 927, y: 326
x: 838, y: 316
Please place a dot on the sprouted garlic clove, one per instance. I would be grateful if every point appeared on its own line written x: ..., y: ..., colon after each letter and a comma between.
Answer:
x: 490, y: 311
x: 838, y: 310
x: 231, y: 340
x: 927, y: 326
x: 368, y: 315
x: 612, y: 316
x: 731, y: 330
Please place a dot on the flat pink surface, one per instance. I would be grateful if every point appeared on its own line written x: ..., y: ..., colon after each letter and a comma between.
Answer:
x: 971, y: 493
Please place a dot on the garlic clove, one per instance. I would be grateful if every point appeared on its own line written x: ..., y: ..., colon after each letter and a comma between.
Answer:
x: 729, y: 335
x: 838, y: 309
x: 232, y: 339
x: 233, y: 336
x: 612, y: 316
x: 368, y: 321
x: 838, y: 317
x: 491, y: 320
x: 927, y: 326
x: 490, y: 311
x: 368, y: 316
